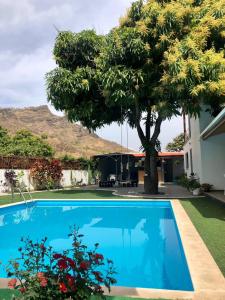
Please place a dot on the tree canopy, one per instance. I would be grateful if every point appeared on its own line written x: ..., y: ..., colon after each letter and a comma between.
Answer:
x: 177, y: 144
x: 24, y: 143
x: 165, y: 57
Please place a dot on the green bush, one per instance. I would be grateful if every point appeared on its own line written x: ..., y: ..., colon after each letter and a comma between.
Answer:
x: 190, y: 183
x: 77, y: 273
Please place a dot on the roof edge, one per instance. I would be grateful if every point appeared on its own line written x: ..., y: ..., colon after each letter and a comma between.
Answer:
x: 216, y: 122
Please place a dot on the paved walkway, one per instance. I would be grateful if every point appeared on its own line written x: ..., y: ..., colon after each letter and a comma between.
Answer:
x: 166, y: 191
x: 219, y: 195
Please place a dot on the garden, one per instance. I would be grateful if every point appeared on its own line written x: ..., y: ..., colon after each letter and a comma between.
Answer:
x: 164, y: 59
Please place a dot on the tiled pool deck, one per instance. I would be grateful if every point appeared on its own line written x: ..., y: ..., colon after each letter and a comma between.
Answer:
x: 208, y: 281
x: 166, y: 191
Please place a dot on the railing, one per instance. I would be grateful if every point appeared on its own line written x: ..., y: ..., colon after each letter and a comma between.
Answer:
x: 22, y: 194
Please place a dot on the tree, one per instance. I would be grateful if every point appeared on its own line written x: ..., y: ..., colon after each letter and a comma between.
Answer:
x: 177, y: 144
x: 165, y: 58
x: 24, y: 143
x: 4, y: 141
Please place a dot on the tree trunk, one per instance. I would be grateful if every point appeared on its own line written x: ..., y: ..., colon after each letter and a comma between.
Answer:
x: 149, y: 144
x: 151, y: 173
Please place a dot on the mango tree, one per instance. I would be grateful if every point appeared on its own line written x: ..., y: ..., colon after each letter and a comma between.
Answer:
x: 164, y: 59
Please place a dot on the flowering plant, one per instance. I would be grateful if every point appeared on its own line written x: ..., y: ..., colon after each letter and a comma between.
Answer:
x: 47, y: 174
x: 10, y: 177
x: 77, y: 273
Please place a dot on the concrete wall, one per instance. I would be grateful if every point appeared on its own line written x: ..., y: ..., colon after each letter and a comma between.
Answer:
x: 213, y: 161
x: 70, y: 178
x: 208, y: 156
x: 178, y: 167
x: 193, y: 144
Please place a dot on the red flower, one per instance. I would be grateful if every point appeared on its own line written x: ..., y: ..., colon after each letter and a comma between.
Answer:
x: 42, y: 246
x: 12, y: 283
x: 43, y: 280
x: 71, y: 263
x: 22, y: 290
x: 98, y: 258
x: 57, y: 256
x: 70, y: 280
x: 40, y: 275
x: 62, y: 287
x: 98, y: 276
x: 62, y: 263
x: 84, y: 265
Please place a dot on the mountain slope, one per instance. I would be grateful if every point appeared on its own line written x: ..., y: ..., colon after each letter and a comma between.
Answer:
x: 63, y: 136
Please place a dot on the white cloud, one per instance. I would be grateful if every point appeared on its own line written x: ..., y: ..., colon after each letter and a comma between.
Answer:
x: 27, y: 36
x: 22, y: 80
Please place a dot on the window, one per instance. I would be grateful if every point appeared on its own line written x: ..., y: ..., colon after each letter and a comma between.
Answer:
x: 191, y: 161
x: 189, y: 126
x: 187, y: 160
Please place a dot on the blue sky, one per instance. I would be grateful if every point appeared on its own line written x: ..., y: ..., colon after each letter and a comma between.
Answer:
x: 27, y: 34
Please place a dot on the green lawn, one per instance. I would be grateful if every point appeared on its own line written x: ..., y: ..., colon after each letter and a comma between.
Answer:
x: 62, y: 194
x: 6, y: 294
x: 208, y: 216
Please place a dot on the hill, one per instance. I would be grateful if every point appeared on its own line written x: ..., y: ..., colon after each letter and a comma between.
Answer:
x: 63, y: 136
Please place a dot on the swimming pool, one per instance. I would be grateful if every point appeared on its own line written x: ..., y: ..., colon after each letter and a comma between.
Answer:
x: 141, y: 237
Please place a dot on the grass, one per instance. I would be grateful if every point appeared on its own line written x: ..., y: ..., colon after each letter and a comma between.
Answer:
x: 6, y: 294
x: 208, y: 217
x: 62, y: 194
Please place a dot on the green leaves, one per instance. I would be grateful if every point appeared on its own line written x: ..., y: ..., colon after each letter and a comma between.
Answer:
x: 24, y: 143
x: 164, y: 56
x: 77, y: 50
x: 125, y: 46
x: 177, y: 144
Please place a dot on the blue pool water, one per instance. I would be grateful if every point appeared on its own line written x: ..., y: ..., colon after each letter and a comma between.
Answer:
x: 140, y: 237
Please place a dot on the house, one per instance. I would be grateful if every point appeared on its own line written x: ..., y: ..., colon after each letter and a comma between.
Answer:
x: 204, y: 151
x: 170, y: 166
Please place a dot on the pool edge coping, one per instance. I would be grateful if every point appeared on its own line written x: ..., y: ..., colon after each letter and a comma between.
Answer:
x: 208, y: 280
x: 206, y: 284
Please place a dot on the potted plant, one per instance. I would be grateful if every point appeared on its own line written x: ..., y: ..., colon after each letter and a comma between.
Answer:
x: 193, y: 185
x: 196, y: 188
x: 206, y: 187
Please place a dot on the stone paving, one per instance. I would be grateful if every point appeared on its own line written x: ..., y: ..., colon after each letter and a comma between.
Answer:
x: 219, y: 195
x: 166, y: 191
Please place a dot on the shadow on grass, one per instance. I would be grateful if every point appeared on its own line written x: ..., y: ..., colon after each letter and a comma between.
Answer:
x: 207, y: 207
x: 6, y: 294
x: 102, y: 194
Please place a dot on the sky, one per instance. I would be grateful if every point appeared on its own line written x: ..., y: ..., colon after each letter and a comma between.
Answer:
x: 27, y: 33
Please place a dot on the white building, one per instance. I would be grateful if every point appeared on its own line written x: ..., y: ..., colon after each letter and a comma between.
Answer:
x: 205, y: 149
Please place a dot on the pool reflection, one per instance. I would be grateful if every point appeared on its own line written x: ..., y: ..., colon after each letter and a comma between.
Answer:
x: 142, y: 241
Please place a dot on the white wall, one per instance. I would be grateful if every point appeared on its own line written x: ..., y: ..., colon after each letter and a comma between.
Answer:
x: 70, y: 178
x: 208, y: 156
x: 73, y: 177
x: 194, y: 144
x: 213, y: 161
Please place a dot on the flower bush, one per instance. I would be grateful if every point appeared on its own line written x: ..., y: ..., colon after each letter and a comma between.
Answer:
x: 77, y: 273
x: 47, y: 174
x: 190, y: 183
x: 10, y: 180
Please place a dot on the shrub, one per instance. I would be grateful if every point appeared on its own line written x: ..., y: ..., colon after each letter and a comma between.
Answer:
x: 67, y: 158
x: 76, y: 273
x: 190, y: 183
x: 46, y: 174
x: 206, y: 187
x: 10, y: 180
